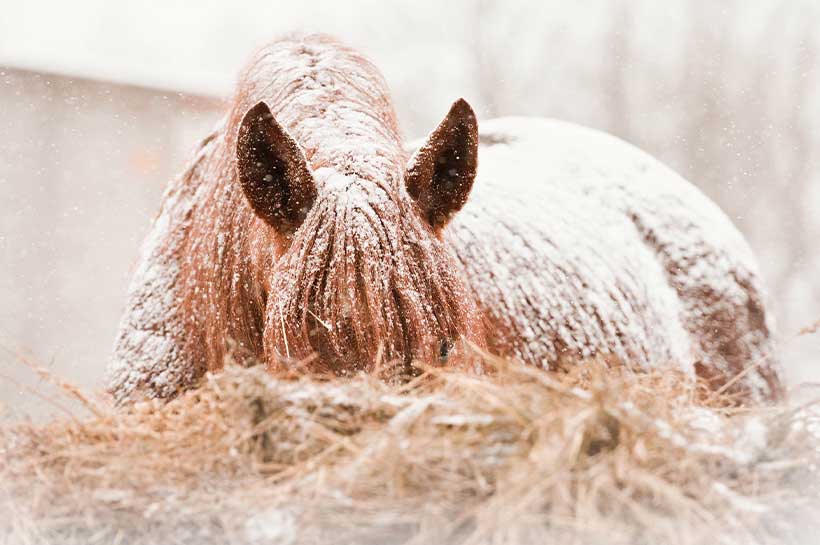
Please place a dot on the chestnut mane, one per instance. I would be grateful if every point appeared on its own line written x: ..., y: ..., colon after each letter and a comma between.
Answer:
x: 365, y: 276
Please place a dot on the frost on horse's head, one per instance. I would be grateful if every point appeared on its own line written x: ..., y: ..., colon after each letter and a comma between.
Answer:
x: 359, y: 271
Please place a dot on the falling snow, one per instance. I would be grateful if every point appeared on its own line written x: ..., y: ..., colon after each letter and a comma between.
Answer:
x: 572, y: 245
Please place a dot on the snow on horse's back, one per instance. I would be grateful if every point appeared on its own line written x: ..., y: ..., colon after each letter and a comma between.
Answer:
x: 303, y: 234
x: 575, y: 236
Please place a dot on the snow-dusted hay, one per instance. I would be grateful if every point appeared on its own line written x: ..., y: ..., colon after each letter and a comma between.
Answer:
x: 303, y: 234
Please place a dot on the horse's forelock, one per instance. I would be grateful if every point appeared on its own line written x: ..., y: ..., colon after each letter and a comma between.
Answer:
x: 364, y: 279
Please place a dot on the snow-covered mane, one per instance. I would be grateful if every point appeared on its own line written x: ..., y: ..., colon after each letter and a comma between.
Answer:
x: 331, y: 100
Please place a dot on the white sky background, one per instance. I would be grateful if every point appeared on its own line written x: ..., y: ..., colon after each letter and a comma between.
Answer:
x: 199, y: 46
x: 427, y: 49
x: 422, y: 46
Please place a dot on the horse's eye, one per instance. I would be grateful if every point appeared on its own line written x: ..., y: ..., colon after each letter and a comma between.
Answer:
x: 444, y: 350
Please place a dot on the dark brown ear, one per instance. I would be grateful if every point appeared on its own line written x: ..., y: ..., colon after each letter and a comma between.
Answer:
x: 273, y: 171
x: 441, y: 173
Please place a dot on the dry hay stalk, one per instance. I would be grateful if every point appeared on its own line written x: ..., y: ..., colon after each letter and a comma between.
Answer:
x: 516, y: 456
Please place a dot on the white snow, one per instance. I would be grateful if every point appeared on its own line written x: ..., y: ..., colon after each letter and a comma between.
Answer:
x: 553, y: 238
x: 271, y: 526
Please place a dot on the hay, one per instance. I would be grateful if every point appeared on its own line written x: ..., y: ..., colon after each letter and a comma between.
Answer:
x: 517, y: 456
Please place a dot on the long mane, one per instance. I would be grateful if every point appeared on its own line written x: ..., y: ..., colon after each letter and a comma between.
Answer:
x: 364, y: 277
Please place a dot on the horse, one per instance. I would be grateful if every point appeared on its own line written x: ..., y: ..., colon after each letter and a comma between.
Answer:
x: 305, y: 234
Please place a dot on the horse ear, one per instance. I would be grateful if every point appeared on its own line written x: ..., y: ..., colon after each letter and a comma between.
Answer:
x: 273, y: 171
x: 440, y: 174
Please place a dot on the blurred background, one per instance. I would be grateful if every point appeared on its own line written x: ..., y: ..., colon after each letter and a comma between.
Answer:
x: 101, y: 103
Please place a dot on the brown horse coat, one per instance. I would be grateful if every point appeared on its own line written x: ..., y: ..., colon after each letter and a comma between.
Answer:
x: 302, y: 231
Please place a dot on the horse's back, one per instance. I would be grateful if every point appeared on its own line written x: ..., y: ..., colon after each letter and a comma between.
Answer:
x: 580, y: 244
